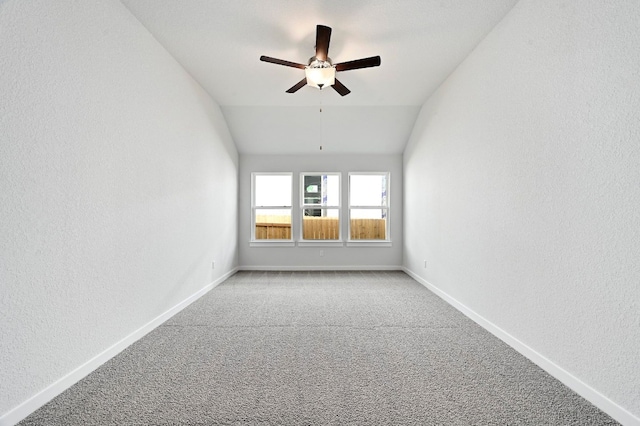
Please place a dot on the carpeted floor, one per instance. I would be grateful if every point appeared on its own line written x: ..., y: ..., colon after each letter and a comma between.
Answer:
x: 318, y: 348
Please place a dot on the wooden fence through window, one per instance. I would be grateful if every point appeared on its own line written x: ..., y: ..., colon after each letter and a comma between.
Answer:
x: 272, y: 227
x: 318, y: 228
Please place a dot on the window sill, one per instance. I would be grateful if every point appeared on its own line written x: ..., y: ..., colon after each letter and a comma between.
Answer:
x: 369, y: 243
x: 272, y: 243
x: 321, y: 243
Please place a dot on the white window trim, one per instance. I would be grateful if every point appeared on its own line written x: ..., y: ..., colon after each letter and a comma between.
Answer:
x: 269, y: 243
x: 369, y: 243
x: 272, y: 243
x: 323, y: 243
x: 387, y: 242
x: 326, y: 243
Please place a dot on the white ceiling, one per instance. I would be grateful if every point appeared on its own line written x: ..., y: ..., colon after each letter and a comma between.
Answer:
x: 219, y: 42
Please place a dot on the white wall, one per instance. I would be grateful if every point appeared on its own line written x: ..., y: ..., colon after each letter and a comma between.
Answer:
x: 118, y: 188
x: 309, y: 257
x: 527, y: 166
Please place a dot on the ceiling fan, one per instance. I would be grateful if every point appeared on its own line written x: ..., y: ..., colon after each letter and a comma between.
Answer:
x: 320, y: 71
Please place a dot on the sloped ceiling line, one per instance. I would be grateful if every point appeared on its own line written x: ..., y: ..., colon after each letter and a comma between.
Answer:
x: 219, y: 44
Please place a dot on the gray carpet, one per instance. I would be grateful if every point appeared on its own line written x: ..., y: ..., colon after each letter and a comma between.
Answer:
x: 319, y: 348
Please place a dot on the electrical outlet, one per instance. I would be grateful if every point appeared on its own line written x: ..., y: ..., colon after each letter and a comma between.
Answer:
x: 213, y: 265
x: 321, y: 253
x: 425, y: 264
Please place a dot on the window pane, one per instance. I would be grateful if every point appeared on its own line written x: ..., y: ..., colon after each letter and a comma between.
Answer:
x: 273, y: 224
x: 272, y: 190
x: 321, y: 224
x: 368, y: 224
x: 322, y: 190
x: 368, y: 190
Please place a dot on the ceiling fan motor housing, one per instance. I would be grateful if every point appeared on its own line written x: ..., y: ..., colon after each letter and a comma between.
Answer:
x: 317, y: 63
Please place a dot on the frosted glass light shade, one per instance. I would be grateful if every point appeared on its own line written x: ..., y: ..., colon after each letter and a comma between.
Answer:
x: 320, y: 77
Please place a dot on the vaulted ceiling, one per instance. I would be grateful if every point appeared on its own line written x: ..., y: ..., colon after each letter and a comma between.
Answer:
x: 219, y: 42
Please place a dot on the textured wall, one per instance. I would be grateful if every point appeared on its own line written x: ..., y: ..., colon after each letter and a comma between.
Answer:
x: 527, y: 162
x: 118, y: 187
x: 309, y: 257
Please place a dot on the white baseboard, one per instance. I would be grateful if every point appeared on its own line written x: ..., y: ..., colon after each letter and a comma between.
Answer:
x: 18, y: 413
x: 323, y: 268
x: 578, y: 386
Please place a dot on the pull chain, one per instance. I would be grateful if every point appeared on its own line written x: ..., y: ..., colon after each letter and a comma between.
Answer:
x: 320, y: 120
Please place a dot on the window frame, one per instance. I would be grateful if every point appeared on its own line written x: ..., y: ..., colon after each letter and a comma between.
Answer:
x: 303, y: 206
x: 254, y: 208
x: 387, y: 208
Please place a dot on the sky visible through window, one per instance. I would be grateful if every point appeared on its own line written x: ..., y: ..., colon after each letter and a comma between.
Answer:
x: 273, y: 190
x: 366, y: 190
x: 369, y: 191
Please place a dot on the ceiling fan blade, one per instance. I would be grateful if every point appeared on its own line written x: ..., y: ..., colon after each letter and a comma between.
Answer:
x: 340, y: 88
x: 299, y: 85
x: 323, y: 36
x: 373, y: 61
x: 281, y: 62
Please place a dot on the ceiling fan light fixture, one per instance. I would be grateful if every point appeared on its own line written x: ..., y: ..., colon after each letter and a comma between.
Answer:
x: 320, y: 77
x: 320, y: 71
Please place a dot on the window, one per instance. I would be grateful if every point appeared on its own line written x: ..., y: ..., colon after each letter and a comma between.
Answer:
x: 320, y: 206
x: 320, y: 218
x: 271, y: 206
x: 369, y: 206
